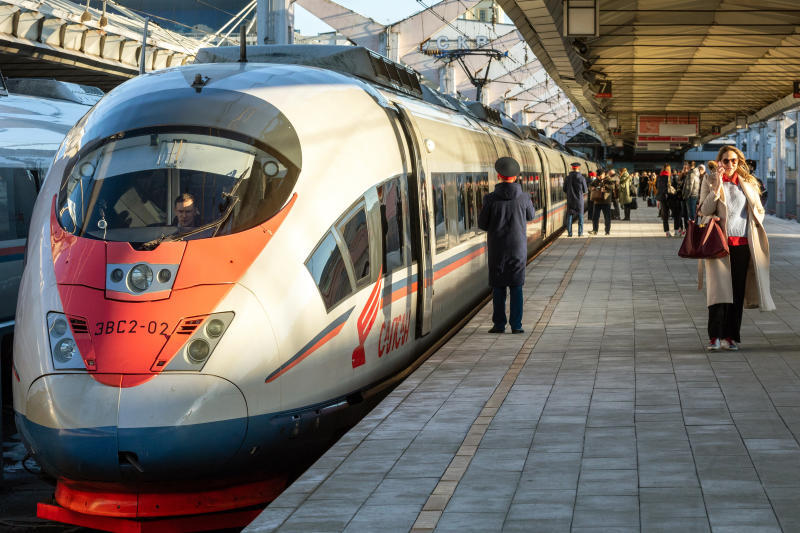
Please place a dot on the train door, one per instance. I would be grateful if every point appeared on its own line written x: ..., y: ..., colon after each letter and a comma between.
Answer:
x: 536, y: 188
x: 418, y: 193
x: 545, y: 198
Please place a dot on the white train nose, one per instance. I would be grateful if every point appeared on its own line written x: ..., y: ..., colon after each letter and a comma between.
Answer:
x: 82, y: 429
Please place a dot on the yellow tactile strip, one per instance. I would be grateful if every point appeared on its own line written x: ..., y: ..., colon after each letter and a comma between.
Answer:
x: 440, y: 497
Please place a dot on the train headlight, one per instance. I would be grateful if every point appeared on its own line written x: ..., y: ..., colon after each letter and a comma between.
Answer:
x: 117, y: 275
x: 215, y: 327
x: 64, y: 350
x: 198, y: 350
x: 207, y: 332
x: 59, y: 327
x: 140, y: 278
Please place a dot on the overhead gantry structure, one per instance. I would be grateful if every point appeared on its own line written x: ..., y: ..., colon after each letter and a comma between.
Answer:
x: 718, y: 65
x: 518, y: 84
x: 63, y: 40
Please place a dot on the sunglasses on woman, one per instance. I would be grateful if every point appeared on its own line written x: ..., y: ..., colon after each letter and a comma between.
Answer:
x: 726, y: 161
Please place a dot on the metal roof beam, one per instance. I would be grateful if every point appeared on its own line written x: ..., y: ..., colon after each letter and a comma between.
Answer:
x: 361, y: 30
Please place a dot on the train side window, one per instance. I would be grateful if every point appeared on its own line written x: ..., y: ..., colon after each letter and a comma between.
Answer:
x: 468, y: 197
x: 393, y: 247
x: 462, y: 203
x: 328, y: 269
x: 478, y: 199
x: 355, y: 234
x: 481, y: 190
x: 18, y: 189
x: 439, y: 213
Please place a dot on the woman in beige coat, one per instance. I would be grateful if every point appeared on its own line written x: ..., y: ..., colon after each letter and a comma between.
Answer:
x: 741, y: 279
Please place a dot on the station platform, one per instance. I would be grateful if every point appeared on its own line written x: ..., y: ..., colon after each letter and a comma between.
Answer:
x: 606, y: 415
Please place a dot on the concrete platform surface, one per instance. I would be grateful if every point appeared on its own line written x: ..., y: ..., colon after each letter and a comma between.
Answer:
x: 606, y: 415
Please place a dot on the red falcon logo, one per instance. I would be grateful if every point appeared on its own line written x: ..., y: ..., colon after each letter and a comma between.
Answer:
x: 366, y: 320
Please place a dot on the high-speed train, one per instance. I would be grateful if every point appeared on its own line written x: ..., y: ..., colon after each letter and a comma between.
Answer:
x: 225, y: 256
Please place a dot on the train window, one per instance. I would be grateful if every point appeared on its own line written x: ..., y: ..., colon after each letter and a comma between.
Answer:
x: 439, y: 213
x: 129, y: 189
x: 391, y: 199
x: 481, y: 190
x: 468, y: 197
x: 533, y: 190
x: 478, y: 199
x: 18, y: 189
x: 328, y: 269
x: 462, y: 207
x: 356, y: 236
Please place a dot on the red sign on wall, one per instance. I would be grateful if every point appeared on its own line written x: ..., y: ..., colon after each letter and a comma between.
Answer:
x: 667, y: 128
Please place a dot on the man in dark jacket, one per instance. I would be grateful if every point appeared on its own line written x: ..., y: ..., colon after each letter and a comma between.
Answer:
x: 603, y: 189
x: 575, y: 187
x: 504, y: 217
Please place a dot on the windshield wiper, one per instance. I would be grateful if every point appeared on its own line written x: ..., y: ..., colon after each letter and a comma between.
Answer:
x: 150, y: 245
x: 227, y: 213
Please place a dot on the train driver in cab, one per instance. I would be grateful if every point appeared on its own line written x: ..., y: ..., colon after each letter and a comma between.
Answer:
x: 186, y: 213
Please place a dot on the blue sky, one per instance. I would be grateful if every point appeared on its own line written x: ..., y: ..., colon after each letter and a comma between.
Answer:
x: 382, y: 11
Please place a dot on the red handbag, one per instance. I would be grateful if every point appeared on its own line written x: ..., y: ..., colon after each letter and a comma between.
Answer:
x: 707, y: 241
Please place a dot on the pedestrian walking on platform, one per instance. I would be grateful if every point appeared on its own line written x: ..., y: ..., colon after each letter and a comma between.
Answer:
x: 625, y: 192
x: 575, y: 187
x: 614, y: 177
x: 602, y: 193
x: 667, y: 196
x: 740, y: 279
x: 691, y: 192
x: 504, y: 217
x: 590, y: 179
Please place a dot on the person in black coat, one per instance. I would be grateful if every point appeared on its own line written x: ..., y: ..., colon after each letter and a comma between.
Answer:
x: 575, y: 187
x: 590, y: 205
x: 504, y: 217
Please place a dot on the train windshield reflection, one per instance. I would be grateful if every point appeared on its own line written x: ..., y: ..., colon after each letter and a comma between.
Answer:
x: 156, y: 187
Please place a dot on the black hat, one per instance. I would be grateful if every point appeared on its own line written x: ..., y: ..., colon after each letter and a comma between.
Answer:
x: 574, y: 164
x: 507, y: 166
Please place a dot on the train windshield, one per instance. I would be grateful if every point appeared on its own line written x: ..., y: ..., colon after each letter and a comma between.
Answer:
x: 172, y: 186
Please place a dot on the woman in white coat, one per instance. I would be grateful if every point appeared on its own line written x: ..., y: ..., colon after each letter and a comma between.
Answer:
x: 741, y: 279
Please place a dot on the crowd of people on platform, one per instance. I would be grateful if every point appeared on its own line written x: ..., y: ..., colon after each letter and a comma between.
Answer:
x: 675, y: 194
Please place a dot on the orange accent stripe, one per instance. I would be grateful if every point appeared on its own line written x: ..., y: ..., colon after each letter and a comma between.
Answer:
x: 454, y: 265
x: 308, y: 352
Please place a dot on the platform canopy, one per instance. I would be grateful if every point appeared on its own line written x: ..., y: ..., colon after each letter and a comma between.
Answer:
x: 83, y: 42
x: 680, y: 71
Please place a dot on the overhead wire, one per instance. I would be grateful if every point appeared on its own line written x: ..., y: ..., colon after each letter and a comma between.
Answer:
x: 459, y: 31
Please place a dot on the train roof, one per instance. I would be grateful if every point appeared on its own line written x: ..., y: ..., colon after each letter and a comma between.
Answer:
x: 35, y: 125
x: 367, y: 65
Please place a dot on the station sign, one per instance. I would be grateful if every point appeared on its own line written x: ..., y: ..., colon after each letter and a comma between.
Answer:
x: 605, y: 90
x: 435, y: 45
x: 672, y: 129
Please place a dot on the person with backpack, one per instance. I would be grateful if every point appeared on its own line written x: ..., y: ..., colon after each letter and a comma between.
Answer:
x: 602, y: 193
